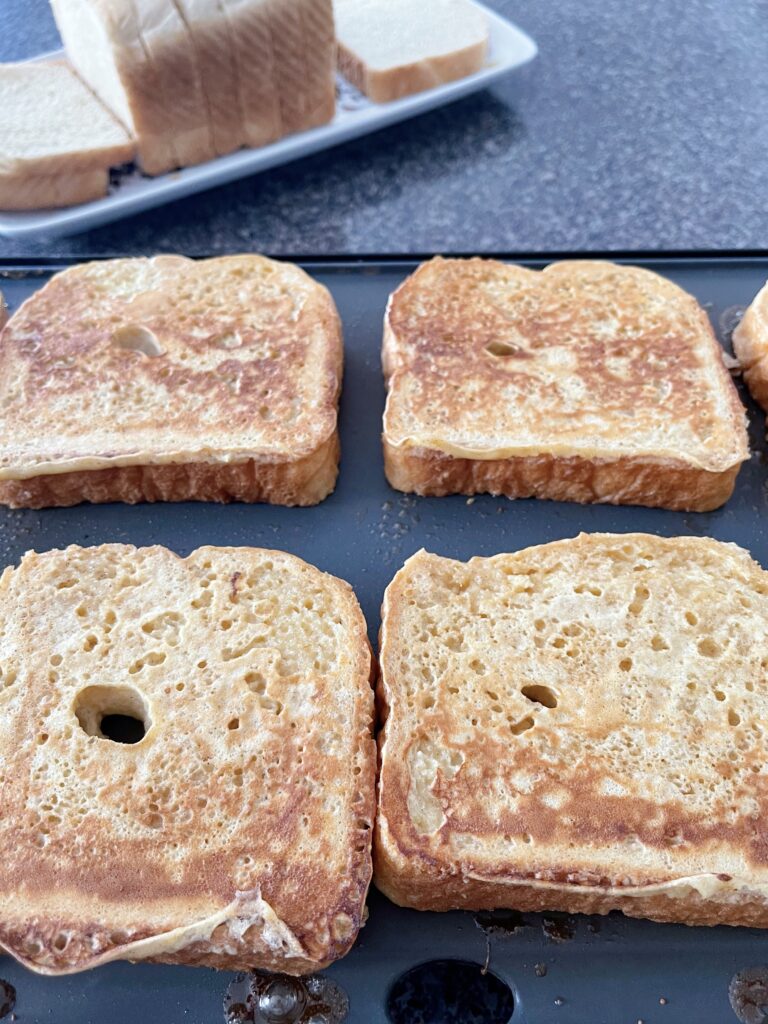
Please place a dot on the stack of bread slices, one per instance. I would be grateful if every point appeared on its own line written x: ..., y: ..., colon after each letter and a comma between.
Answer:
x: 173, y: 83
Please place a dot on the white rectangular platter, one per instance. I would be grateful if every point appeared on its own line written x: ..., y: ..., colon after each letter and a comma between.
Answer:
x: 132, y: 192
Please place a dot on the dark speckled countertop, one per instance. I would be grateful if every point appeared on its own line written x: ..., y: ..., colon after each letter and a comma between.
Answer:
x: 643, y: 124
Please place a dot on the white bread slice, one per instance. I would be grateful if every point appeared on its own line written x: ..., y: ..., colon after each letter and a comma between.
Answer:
x: 578, y: 726
x: 169, y: 44
x: 51, y: 123
x: 750, y: 343
x: 304, y: 50
x: 37, y: 192
x: 391, y: 48
x: 320, y: 63
x: 214, y: 47
x: 236, y: 832
x: 104, y: 43
x: 250, y: 24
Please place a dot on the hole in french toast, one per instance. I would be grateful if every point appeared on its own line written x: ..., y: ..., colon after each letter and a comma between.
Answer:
x: 135, y: 338
x: 516, y: 728
x: 501, y: 349
x: 116, y: 713
x: 122, y: 728
x: 540, y: 695
x: 453, y: 990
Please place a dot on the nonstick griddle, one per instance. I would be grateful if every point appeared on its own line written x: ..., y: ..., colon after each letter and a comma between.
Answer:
x: 559, y: 969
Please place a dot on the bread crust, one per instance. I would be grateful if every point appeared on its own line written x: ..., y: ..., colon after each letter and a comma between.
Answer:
x: 383, y: 86
x: 303, y: 51
x: 404, y: 886
x: 624, y: 481
x: 169, y: 43
x: 305, y: 481
x: 214, y: 51
x: 34, y: 192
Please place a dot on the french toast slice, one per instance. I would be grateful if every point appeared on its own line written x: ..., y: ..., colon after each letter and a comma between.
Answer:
x: 171, y: 379
x: 187, y: 760
x: 578, y: 726
x: 587, y: 381
x: 750, y: 344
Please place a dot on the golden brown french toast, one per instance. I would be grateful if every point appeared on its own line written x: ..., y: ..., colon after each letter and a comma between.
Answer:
x: 577, y: 726
x: 187, y: 760
x: 586, y: 381
x: 169, y: 379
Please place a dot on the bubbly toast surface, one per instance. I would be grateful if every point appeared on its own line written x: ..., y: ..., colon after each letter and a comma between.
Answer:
x: 585, y: 361
x: 577, y: 726
x: 172, y: 362
x: 236, y: 832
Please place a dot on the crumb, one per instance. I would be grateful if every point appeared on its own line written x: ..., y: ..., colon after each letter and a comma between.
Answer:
x: 470, y: 501
x: 540, y: 970
x: 559, y: 1001
x: 662, y: 1001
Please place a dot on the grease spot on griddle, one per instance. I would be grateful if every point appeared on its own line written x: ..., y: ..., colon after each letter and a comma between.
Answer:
x: 558, y: 929
x: 264, y: 998
x: 748, y: 995
x: 501, y: 923
x: 7, y: 998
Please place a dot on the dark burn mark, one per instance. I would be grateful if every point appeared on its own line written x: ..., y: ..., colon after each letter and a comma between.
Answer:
x: 558, y: 928
x: 7, y: 998
x: 748, y: 995
x: 233, y: 586
x: 500, y: 923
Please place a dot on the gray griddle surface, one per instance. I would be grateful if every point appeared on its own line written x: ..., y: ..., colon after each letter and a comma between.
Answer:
x: 598, y: 971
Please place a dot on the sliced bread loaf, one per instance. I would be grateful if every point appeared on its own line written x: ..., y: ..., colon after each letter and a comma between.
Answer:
x: 103, y: 41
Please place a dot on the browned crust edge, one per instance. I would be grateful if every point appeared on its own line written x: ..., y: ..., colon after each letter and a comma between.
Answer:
x: 304, y: 481
x: 404, y: 886
x: 667, y: 484
x: 33, y: 192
